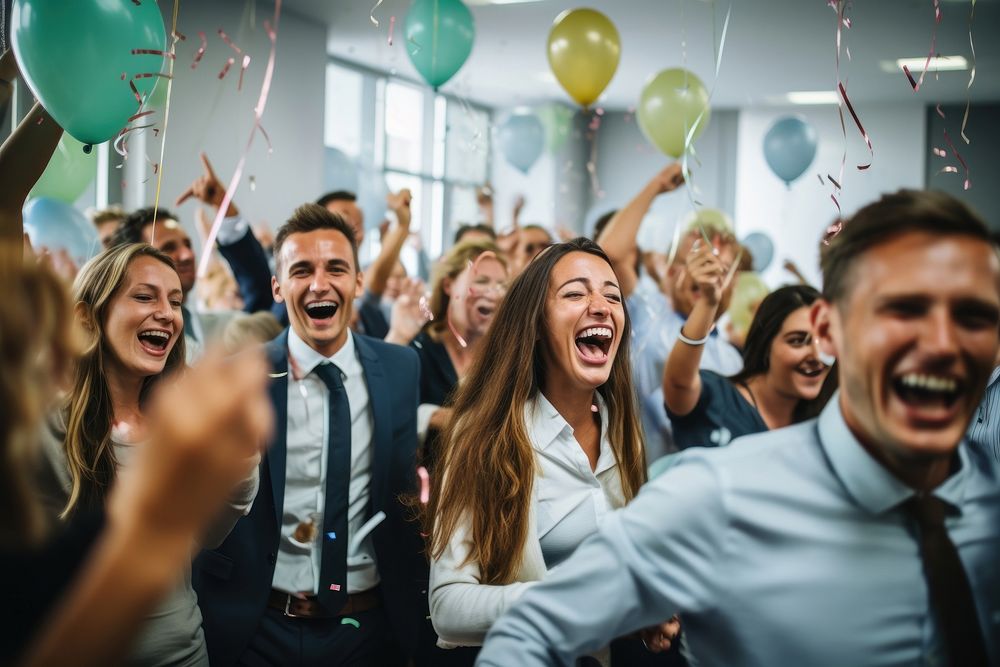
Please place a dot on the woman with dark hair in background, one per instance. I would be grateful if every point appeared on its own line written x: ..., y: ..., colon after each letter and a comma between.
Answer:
x: 544, y: 442
x: 782, y: 374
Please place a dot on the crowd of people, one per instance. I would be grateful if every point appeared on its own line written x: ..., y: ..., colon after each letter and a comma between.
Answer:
x: 548, y: 454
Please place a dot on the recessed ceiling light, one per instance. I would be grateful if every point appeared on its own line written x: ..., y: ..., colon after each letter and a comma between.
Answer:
x: 807, y: 97
x: 936, y: 64
x: 498, y: 2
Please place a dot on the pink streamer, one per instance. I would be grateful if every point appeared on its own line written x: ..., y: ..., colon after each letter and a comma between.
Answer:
x: 234, y: 182
x: 930, y: 54
x: 392, y: 25
x: 425, y: 485
x: 861, y: 128
x: 225, y: 68
x: 229, y: 42
x: 201, y: 50
x: 243, y: 69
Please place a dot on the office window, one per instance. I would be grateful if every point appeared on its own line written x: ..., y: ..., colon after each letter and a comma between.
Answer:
x: 344, y: 102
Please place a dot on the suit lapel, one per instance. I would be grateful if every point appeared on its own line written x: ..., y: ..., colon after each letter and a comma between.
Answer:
x: 378, y: 397
x: 277, y: 355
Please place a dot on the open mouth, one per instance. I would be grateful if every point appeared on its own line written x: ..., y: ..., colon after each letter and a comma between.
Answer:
x: 485, y: 311
x: 322, y: 310
x: 594, y: 343
x: 154, y: 341
x: 811, y: 370
x: 926, y: 391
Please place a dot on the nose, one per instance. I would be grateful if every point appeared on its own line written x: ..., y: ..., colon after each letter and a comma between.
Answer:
x: 320, y: 282
x: 164, y: 311
x: 599, y: 306
x: 185, y: 254
x: 938, y: 335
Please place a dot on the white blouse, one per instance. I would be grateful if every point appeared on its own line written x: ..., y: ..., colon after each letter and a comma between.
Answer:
x: 568, y: 502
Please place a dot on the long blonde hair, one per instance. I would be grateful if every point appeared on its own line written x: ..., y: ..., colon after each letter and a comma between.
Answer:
x: 448, y: 268
x: 37, y: 350
x: 89, y: 413
x: 488, y: 465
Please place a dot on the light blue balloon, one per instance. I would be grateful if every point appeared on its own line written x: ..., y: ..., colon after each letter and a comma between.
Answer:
x: 55, y: 225
x: 439, y: 36
x: 761, y: 247
x: 790, y: 147
x: 340, y: 172
x: 522, y: 139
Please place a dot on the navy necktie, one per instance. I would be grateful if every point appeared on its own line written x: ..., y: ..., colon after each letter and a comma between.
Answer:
x: 333, y: 559
x: 951, y: 594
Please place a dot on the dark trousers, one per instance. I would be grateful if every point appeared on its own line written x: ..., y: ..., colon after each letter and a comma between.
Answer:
x: 325, y: 642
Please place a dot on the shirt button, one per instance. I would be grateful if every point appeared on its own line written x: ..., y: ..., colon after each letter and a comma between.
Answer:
x: 271, y: 558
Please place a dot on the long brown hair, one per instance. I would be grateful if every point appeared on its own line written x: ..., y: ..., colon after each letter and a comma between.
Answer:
x: 488, y: 468
x: 37, y: 350
x: 90, y: 454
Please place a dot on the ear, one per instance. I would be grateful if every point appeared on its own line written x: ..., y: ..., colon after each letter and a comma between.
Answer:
x: 826, y: 325
x: 276, y: 290
x: 446, y: 286
x: 359, y: 285
x: 84, y: 317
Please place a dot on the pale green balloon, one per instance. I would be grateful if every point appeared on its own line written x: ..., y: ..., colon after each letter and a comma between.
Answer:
x: 670, y: 105
x: 748, y: 292
x: 78, y: 57
x: 69, y: 172
x: 557, y: 120
x: 439, y: 35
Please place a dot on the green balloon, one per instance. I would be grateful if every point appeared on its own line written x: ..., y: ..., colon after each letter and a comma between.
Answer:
x: 439, y: 36
x: 77, y: 58
x: 68, y: 174
x: 558, y: 122
x: 748, y: 292
x: 669, y: 107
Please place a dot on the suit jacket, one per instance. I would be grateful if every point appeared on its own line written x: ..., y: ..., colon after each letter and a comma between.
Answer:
x: 252, y: 272
x: 233, y: 582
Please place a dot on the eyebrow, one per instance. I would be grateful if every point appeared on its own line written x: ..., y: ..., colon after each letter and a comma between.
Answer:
x: 156, y: 288
x: 586, y: 281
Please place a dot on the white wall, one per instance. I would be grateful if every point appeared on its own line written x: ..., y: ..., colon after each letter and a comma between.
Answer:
x: 209, y: 114
x: 627, y: 161
x: 796, y: 217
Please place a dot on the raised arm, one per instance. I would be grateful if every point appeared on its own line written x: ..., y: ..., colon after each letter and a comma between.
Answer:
x: 619, y: 237
x: 681, y: 381
x: 23, y: 157
x: 377, y: 275
x: 236, y: 241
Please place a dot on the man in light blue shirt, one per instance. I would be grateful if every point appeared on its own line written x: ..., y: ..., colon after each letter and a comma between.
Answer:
x: 814, y: 545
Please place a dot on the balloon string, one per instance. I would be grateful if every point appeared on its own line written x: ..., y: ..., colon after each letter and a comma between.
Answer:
x: 166, y: 117
x: 372, y: 14
x: 265, y: 88
x: 689, y: 135
x: 972, y: 75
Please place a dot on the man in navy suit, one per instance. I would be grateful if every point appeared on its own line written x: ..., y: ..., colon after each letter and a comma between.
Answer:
x: 327, y: 567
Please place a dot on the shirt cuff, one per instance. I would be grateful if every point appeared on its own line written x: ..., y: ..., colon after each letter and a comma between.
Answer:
x: 232, y: 230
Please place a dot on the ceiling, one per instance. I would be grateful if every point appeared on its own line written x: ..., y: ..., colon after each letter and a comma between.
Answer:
x: 772, y: 47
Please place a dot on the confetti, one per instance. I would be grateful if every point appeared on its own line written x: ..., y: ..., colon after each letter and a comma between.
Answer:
x: 334, y: 587
x: 229, y: 42
x: 331, y: 536
x: 243, y: 69
x: 347, y: 620
x: 153, y: 52
x: 425, y: 485
x: 593, y: 408
x: 200, y: 53
x: 392, y: 25
x: 372, y: 14
x: 225, y: 68
x: 271, y: 29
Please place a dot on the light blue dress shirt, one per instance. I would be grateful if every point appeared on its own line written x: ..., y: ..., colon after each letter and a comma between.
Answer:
x: 984, y: 431
x: 788, y: 550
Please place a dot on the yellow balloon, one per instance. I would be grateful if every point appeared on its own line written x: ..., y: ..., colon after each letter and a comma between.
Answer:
x: 669, y: 107
x: 584, y: 50
x: 748, y: 292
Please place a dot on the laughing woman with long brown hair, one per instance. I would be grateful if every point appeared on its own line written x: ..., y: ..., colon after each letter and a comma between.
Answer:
x: 545, y: 440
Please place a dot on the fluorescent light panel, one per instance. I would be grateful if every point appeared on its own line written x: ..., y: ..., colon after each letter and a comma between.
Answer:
x: 811, y: 97
x: 936, y: 64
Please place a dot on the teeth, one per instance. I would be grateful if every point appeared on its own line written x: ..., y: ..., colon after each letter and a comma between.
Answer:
x: 151, y: 332
x: 929, y: 382
x: 321, y: 304
x: 599, y: 332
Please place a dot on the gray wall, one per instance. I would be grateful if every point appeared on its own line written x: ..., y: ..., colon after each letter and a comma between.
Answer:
x: 209, y: 114
x: 626, y: 161
x: 980, y: 154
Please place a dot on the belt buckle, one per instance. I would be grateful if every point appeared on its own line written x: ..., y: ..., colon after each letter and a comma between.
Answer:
x: 288, y: 602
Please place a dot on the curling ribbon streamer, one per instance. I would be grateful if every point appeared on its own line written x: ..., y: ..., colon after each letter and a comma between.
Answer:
x: 265, y: 88
x: 972, y: 75
x: 201, y: 50
x: 930, y: 54
x: 375, y: 20
x: 861, y: 128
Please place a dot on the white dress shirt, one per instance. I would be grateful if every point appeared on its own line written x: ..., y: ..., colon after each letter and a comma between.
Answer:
x: 568, y: 500
x: 298, y: 565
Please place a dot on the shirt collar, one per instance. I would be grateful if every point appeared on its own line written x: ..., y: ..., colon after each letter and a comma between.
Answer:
x: 307, y: 359
x: 868, y: 481
x: 545, y: 426
x: 994, y: 376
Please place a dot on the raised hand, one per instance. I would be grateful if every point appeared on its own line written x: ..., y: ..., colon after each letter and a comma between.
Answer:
x: 707, y: 271
x: 659, y: 637
x: 207, y: 188
x: 670, y: 178
x: 410, y: 312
